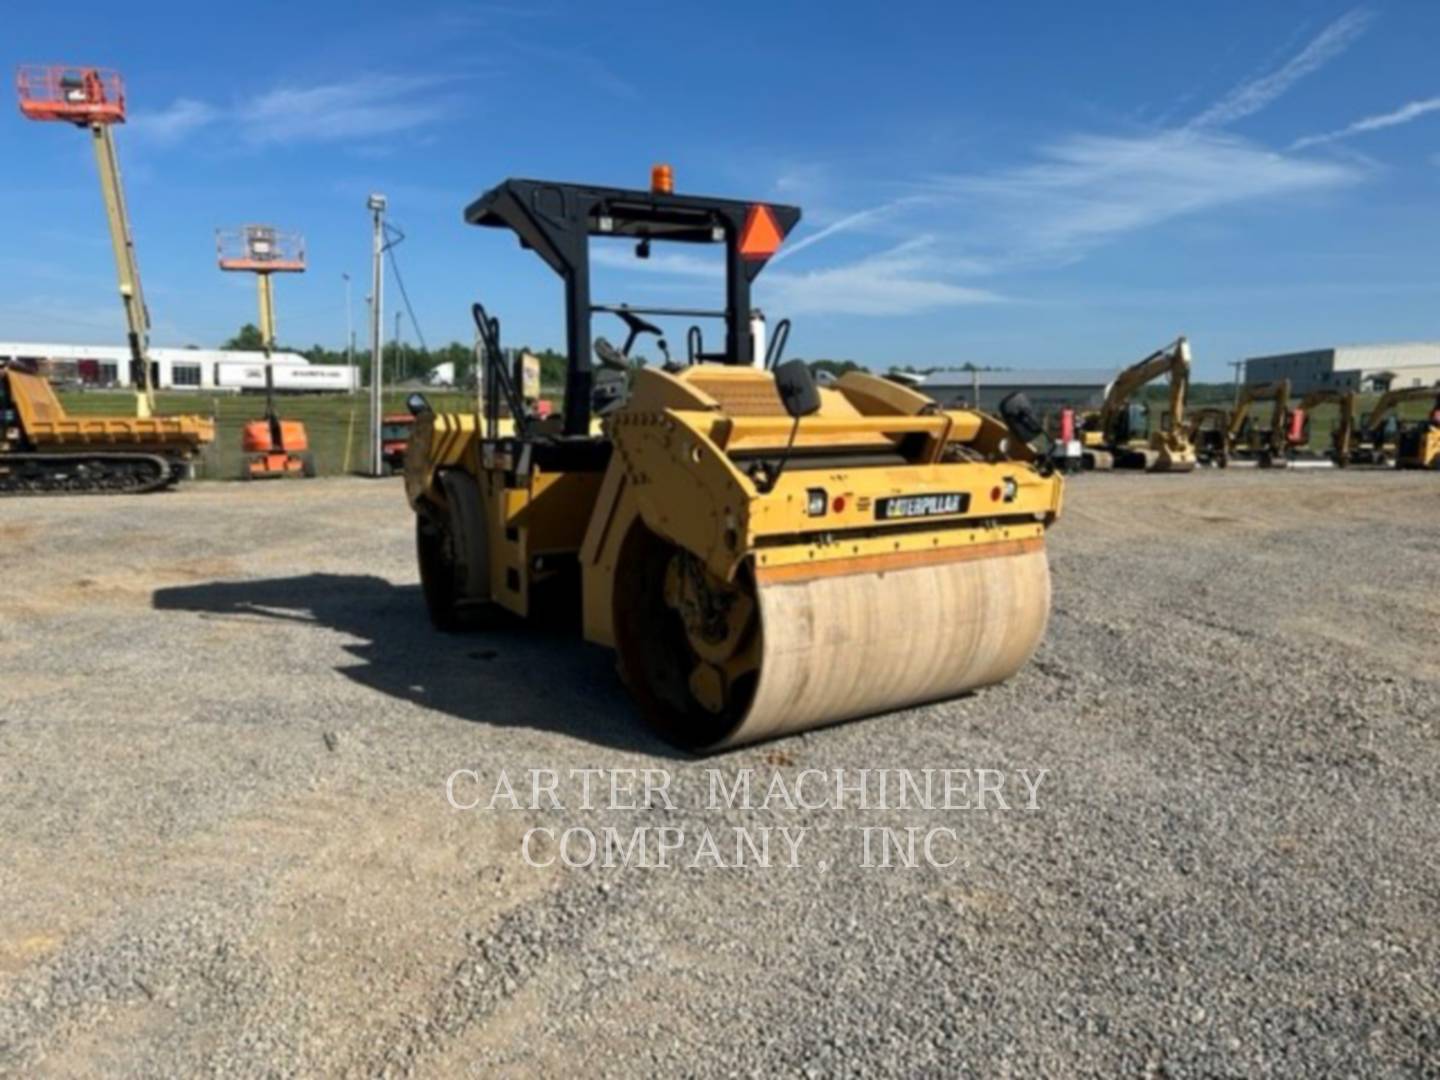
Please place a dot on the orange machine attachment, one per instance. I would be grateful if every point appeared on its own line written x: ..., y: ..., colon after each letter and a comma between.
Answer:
x: 1295, y: 428
x: 275, y: 447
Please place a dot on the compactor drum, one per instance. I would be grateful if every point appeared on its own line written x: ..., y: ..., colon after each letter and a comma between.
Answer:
x: 764, y: 555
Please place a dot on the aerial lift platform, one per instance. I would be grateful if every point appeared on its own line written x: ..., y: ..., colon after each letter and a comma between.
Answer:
x: 42, y: 449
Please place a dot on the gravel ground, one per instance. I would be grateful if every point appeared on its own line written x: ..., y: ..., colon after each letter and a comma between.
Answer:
x: 226, y: 847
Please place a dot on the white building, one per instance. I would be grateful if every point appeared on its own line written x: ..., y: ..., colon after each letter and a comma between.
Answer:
x: 1351, y: 367
x: 180, y: 369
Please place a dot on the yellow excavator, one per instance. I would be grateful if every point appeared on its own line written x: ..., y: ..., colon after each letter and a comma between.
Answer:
x: 1385, y: 439
x: 1109, y: 437
x: 1206, y: 428
x: 1223, y: 436
x: 1342, y: 436
x: 763, y: 554
x: 1267, y: 445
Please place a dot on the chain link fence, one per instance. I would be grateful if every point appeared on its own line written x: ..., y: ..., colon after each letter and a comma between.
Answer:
x: 336, y: 425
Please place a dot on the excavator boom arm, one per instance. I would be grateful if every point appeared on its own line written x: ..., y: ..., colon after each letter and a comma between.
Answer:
x: 1173, y: 360
x: 1393, y: 399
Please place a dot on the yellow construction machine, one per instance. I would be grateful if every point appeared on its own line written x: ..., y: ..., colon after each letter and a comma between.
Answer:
x: 1206, y: 429
x: 764, y: 555
x: 1384, y: 438
x: 1342, y: 436
x: 45, y: 451
x: 42, y: 450
x: 1114, y: 437
x: 1268, y: 446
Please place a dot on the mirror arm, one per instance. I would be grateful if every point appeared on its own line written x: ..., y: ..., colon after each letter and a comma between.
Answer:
x: 778, y: 341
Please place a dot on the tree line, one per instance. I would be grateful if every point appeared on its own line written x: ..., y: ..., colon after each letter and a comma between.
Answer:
x: 413, y: 362
x: 403, y: 362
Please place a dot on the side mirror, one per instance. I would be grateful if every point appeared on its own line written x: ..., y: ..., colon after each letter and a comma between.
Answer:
x: 418, y: 404
x: 797, y: 388
x: 1019, y: 416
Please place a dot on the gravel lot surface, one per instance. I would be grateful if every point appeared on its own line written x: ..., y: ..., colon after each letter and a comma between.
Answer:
x: 226, y: 847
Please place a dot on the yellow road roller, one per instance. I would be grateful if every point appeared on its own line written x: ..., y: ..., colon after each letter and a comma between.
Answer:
x: 763, y: 554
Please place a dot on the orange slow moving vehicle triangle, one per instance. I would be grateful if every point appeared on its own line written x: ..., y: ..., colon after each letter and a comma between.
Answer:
x: 761, y: 237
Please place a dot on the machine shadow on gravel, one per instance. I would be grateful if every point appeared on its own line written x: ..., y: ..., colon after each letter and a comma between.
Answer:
x: 527, y: 675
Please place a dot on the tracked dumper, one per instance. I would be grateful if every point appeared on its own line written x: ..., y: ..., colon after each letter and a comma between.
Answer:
x: 45, y: 451
x: 763, y: 554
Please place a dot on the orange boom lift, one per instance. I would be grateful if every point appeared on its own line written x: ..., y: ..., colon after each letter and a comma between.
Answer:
x: 273, y: 447
x: 94, y: 98
x: 43, y: 450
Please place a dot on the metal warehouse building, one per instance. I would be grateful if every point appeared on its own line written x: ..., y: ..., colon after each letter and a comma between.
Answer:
x: 1047, y: 390
x: 1351, y: 367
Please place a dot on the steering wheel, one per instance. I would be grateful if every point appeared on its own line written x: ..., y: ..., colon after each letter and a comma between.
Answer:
x: 637, y: 326
x: 610, y: 356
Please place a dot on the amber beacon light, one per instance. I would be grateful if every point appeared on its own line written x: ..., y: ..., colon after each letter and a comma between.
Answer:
x: 662, y: 180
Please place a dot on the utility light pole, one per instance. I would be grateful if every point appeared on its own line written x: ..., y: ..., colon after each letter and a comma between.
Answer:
x: 349, y: 321
x: 376, y: 205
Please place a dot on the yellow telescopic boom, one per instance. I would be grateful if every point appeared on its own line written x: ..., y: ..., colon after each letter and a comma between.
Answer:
x: 94, y: 98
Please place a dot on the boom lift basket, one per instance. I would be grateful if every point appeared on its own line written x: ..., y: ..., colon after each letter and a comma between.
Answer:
x: 77, y: 95
x: 260, y: 249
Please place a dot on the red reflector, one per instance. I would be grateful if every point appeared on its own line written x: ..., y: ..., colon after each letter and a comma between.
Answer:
x: 838, y: 504
x: 995, y: 494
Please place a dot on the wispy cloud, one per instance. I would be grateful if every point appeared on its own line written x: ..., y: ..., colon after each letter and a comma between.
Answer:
x: 360, y: 108
x: 1088, y: 189
x: 1410, y: 111
x: 173, y: 123
x: 1252, y: 96
x: 364, y: 107
x: 1076, y: 193
x: 905, y: 280
x: 1081, y: 192
x: 848, y: 223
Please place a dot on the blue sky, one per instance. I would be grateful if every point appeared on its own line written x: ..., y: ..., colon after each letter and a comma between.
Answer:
x: 1044, y: 184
